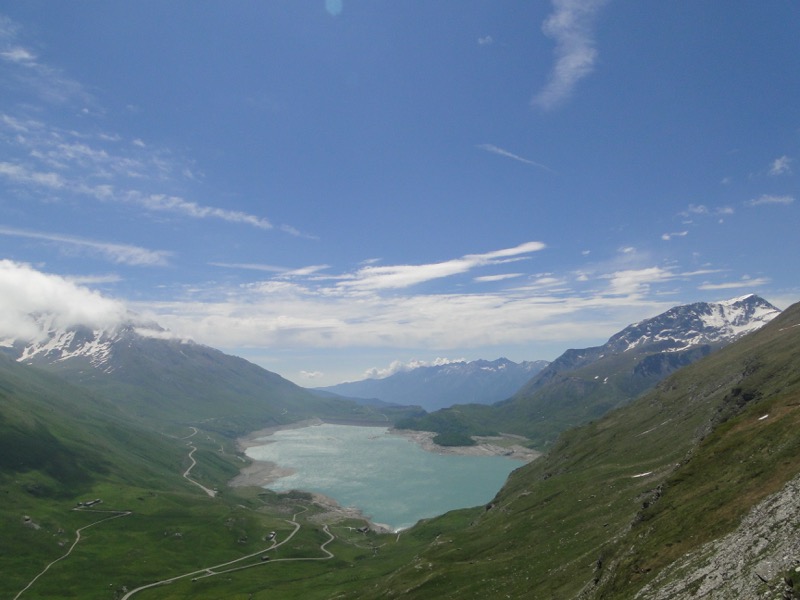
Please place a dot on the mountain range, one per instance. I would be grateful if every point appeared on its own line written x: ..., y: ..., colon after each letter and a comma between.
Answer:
x: 584, y: 384
x: 440, y: 386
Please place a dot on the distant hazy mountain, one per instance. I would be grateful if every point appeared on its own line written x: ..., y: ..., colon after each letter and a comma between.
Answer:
x: 584, y: 384
x: 158, y: 378
x: 479, y: 382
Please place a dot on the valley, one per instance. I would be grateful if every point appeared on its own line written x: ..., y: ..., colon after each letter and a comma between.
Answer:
x: 602, y: 513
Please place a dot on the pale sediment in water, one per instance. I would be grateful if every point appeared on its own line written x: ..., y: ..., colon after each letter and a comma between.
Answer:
x: 263, y: 473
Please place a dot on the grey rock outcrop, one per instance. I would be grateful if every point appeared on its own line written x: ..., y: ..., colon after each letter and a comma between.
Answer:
x: 761, y: 559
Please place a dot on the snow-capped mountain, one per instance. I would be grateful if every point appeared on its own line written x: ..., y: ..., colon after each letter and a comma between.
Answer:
x: 694, y: 324
x: 681, y: 328
x: 91, y: 346
x: 439, y: 386
x: 156, y: 376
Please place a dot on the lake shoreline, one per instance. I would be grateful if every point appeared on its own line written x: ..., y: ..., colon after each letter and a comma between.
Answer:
x: 261, y: 473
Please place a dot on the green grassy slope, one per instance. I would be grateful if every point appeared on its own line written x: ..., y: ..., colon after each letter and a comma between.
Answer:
x: 168, y: 381
x: 61, y: 444
x: 617, y: 500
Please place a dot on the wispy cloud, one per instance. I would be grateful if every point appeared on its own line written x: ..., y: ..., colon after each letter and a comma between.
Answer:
x: 285, y: 272
x: 770, y: 199
x: 571, y: 25
x: 18, y: 55
x: 26, y: 70
x: 501, y: 152
x: 176, y: 204
x: 403, y: 276
x: 249, y: 267
x: 745, y: 282
x: 91, y: 163
x: 97, y: 166
x: 113, y: 252
x: 668, y: 236
x: 23, y: 175
x: 485, y: 40
x: 781, y: 166
x: 637, y: 282
x: 701, y: 210
x: 501, y: 277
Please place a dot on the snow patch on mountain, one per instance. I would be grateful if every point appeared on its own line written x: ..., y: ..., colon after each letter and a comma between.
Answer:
x: 700, y: 323
x: 94, y: 345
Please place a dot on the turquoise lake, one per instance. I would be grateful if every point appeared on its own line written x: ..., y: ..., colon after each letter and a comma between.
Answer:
x: 389, y: 478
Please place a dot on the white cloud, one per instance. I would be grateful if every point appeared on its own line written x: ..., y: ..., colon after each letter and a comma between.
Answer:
x: 94, y: 279
x: 402, y: 276
x: 48, y: 83
x: 250, y: 267
x: 176, y: 204
x: 745, y: 282
x: 770, y: 199
x: 485, y: 40
x: 399, y: 366
x: 636, y: 282
x: 502, y: 277
x: 25, y: 291
x: 311, y: 374
x: 781, y: 166
x: 290, y: 314
x: 19, y: 55
x: 501, y: 152
x: 98, y: 166
x: 76, y: 166
x: 116, y: 253
x: 22, y: 175
x: 668, y: 236
x: 701, y: 210
x: 571, y: 25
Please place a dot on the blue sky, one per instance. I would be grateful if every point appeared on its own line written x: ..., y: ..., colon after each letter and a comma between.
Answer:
x: 332, y: 188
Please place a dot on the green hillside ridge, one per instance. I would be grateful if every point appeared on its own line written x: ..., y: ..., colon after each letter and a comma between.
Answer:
x: 171, y: 381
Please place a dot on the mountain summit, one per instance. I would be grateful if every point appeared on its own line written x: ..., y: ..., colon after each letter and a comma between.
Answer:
x: 695, y: 324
